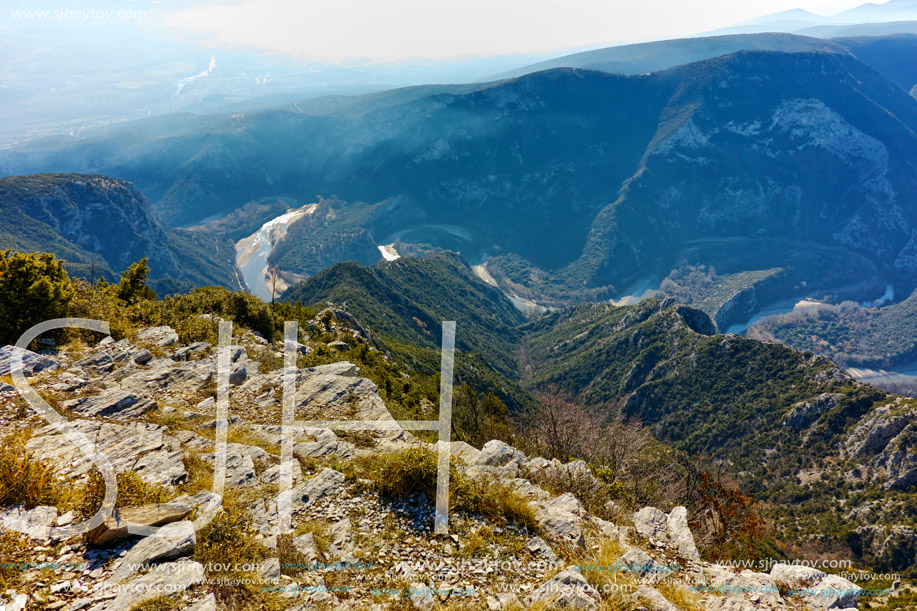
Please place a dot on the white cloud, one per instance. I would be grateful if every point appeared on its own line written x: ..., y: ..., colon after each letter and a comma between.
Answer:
x: 382, y: 30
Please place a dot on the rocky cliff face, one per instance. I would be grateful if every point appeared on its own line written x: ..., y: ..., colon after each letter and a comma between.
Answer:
x: 100, y: 216
x: 730, y: 162
x: 148, y: 404
x: 103, y: 215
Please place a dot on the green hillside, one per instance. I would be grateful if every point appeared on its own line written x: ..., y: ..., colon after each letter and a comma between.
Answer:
x: 849, y: 334
x: 763, y: 412
x: 405, y: 302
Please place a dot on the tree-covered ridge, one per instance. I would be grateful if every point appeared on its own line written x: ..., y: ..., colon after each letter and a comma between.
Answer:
x: 404, y: 302
x: 786, y: 425
x: 662, y: 364
x: 851, y: 335
x: 407, y: 300
x: 719, y: 395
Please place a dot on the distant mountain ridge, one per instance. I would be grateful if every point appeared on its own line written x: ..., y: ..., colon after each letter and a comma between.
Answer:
x: 572, y: 184
x: 766, y: 140
x: 802, y: 21
x: 647, y: 57
x: 889, y: 53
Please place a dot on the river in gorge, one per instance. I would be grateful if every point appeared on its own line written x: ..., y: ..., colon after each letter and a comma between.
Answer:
x: 252, y: 252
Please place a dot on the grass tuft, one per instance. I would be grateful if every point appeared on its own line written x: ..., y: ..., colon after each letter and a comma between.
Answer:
x: 27, y: 481
x: 132, y: 491
x: 221, y: 545
x: 494, y: 500
x: 402, y: 473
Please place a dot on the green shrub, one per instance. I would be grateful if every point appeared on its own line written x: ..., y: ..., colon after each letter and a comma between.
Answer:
x: 132, y: 288
x: 33, y: 288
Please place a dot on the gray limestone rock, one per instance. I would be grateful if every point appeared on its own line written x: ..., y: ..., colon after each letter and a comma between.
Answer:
x: 32, y: 362
x: 566, y: 590
x: 137, y: 446
x: 498, y: 458
x: 34, y: 523
x: 170, y: 542
x: 114, y: 404
x: 159, y: 336
x: 169, y: 579
x: 115, y: 527
x: 561, y: 518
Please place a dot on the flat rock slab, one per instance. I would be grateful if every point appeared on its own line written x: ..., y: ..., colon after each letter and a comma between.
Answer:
x: 566, y: 590
x: 327, y: 396
x: 194, y: 441
x: 273, y: 433
x: 204, y: 501
x: 325, y: 483
x: 170, y: 542
x: 115, y: 528
x: 326, y: 444
x: 240, y: 466
x: 139, y: 446
x: 114, y: 404
x: 160, y: 336
x: 170, y: 379
x: 264, y: 511
x: 99, y: 362
x: 32, y: 362
x: 34, y: 523
x: 168, y: 579
x: 272, y: 475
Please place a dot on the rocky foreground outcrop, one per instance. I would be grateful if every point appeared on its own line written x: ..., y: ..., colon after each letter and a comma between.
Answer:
x: 148, y: 404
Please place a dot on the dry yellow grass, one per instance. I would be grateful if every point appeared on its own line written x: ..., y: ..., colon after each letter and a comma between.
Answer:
x: 493, y: 499
x: 225, y: 544
x: 13, y: 548
x: 679, y: 596
x: 200, y: 474
x: 25, y: 480
x: 132, y: 490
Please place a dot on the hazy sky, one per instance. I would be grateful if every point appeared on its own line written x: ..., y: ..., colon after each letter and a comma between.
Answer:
x: 381, y: 30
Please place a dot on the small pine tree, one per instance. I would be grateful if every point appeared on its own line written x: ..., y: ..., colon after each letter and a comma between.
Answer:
x: 132, y: 287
